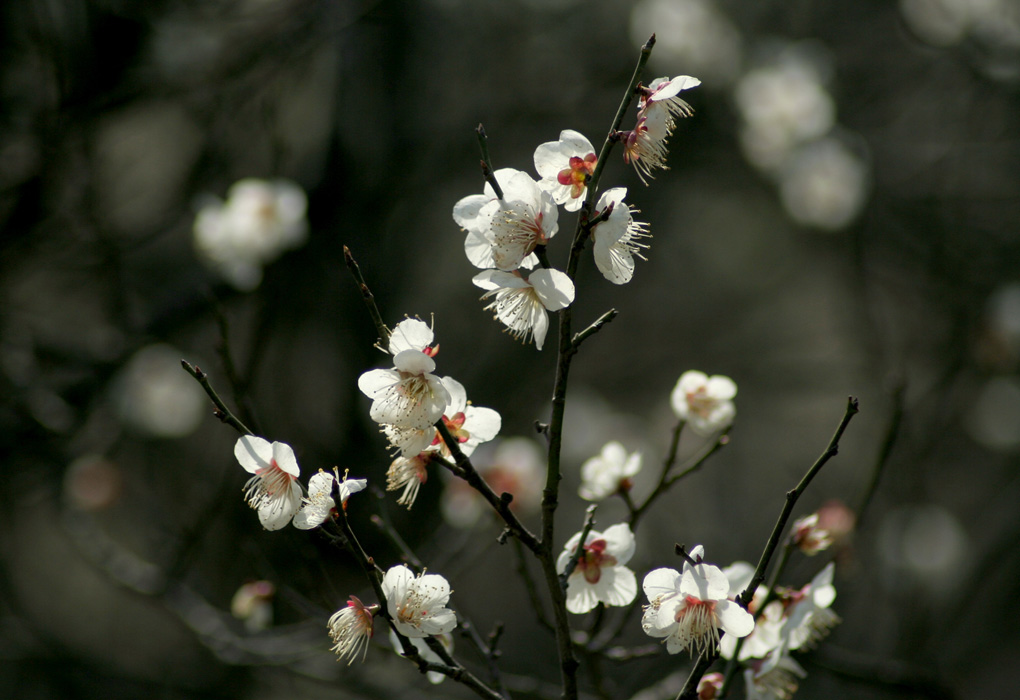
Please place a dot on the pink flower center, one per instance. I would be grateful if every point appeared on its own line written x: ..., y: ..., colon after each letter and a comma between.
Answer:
x: 593, y: 559
x: 576, y: 175
x: 273, y: 479
x: 700, y: 402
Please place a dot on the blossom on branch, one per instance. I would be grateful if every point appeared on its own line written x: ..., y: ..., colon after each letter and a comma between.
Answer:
x: 663, y: 94
x: 566, y: 166
x: 618, y: 238
x: 773, y: 678
x: 503, y: 233
x: 521, y: 304
x: 274, y: 490
x: 705, y: 403
x: 408, y: 396
x: 658, y: 108
x: 408, y: 473
x: 319, y: 503
x: 600, y: 575
x: 809, y: 617
x: 690, y: 609
x: 417, y: 604
x: 351, y: 629
x: 608, y: 473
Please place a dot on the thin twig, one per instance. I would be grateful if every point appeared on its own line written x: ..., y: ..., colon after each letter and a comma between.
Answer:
x: 530, y: 587
x: 706, y: 659
x: 487, y: 172
x: 593, y: 328
x: 369, y: 298
x: 221, y: 411
x: 589, y: 523
x: 892, y: 434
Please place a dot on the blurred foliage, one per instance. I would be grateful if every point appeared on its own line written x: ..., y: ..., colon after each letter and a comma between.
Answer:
x: 121, y: 548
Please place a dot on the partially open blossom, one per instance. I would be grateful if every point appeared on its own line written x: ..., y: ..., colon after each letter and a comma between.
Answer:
x: 710, y: 685
x: 809, y: 617
x: 253, y: 604
x: 619, y: 238
x: 319, y: 503
x: 521, y: 304
x: 705, y: 403
x: 417, y: 604
x: 274, y: 490
x: 408, y: 395
x: 502, y: 233
x: 609, y: 472
x: 351, y: 630
x: 259, y: 220
x: 600, y: 575
x: 565, y: 166
x: 690, y: 609
x: 808, y: 537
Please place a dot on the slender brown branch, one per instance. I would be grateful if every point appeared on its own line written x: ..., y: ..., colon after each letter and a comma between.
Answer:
x: 466, y: 470
x: 594, y: 328
x: 589, y: 523
x: 369, y: 298
x: 487, y: 172
x: 221, y: 411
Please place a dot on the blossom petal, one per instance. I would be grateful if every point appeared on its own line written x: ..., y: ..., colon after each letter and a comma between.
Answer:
x: 553, y: 287
x: 733, y: 619
x: 253, y: 453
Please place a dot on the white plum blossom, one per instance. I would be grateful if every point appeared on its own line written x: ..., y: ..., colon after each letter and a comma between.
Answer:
x: 664, y: 94
x: 274, y: 490
x: 521, y: 304
x: 600, y: 575
x: 618, y: 239
x: 768, y: 628
x: 608, y: 473
x: 319, y: 503
x: 259, y: 220
x: 808, y: 536
x: 658, y: 108
x: 503, y: 233
x: 469, y: 425
x: 705, y: 403
x: 417, y: 604
x: 253, y: 604
x: 408, y: 396
x: 350, y: 628
x: 808, y: 613
x: 565, y: 166
x: 690, y: 609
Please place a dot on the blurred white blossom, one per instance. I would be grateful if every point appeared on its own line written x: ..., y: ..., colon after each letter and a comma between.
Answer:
x: 157, y: 397
x: 705, y: 403
x: 253, y: 604
x: 609, y: 472
x: 695, y: 34
x: 783, y: 104
x: 258, y: 221
x: 824, y: 184
x: 515, y: 465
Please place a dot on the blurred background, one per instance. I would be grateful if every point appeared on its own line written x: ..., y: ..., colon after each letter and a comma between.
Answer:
x: 841, y: 216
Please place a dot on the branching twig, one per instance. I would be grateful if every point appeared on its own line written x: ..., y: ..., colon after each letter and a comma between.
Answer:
x: 221, y: 411
x: 593, y: 328
x: 706, y: 659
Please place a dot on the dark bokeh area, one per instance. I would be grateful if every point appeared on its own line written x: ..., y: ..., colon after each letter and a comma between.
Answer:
x: 841, y: 216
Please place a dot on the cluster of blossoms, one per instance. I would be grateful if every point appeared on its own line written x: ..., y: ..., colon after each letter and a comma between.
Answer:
x: 516, y: 215
x: 408, y: 400
x: 275, y: 492
x: 791, y: 620
x: 259, y: 220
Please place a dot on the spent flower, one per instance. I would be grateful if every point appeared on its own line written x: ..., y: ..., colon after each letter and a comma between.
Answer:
x: 350, y: 628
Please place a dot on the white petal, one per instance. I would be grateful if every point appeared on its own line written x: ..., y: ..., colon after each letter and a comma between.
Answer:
x: 253, y: 453
x: 413, y: 362
x: 660, y: 582
x: 465, y: 212
x: 733, y: 619
x: 285, y: 459
x: 410, y: 334
x: 581, y: 596
x: 616, y: 586
x: 349, y: 486
x: 458, y: 396
x: 619, y: 542
x: 276, y: 513
x: 482, y: 423
x: 375, y: 381
x: 553, y: 287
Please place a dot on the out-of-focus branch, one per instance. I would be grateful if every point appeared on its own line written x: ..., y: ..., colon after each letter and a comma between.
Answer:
x: 368, y: 297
